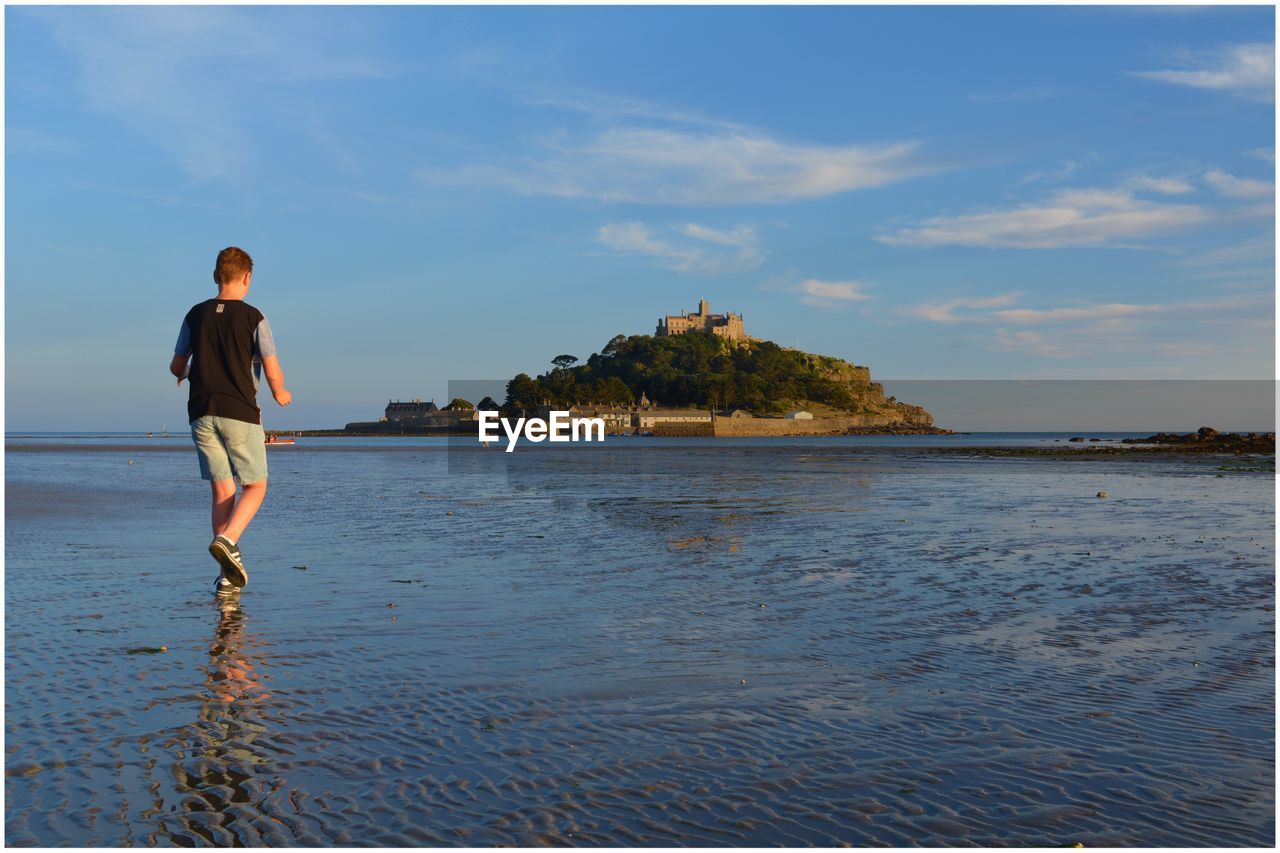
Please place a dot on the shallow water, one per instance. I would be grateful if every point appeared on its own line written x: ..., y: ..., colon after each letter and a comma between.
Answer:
x: 643, y: 644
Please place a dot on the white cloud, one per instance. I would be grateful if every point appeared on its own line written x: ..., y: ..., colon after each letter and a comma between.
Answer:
x: 1247, y: 264
x: 1089, y: 312
x: 740, y: 236
x: 199, y: 80
x: 1254, y: 251
x: 945, y: 312
x: 1028, y: 341
x: 819, y: 293
x: 1065, y: 169
x: 1114, y: 313
x: 728, y: 251
x: 1078, y: 217
x: 1089, y: 341
x: 1268, y: 153
x: 1247, y: 70
x: 1164, y: 186
x: 1084, y: 330
x: 830, y: 294
x: 631, y: 237
x: 713, y: 166
x: 1230, y: 185
x: 600, y: 105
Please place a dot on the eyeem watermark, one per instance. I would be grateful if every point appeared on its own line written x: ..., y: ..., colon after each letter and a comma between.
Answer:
x: 562, y: 426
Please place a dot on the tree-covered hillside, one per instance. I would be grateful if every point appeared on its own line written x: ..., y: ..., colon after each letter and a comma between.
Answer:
x: 694, y: 369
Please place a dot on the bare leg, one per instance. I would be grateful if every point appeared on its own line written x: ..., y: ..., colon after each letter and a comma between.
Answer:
x: 245, y: 509
x: 224, y: 499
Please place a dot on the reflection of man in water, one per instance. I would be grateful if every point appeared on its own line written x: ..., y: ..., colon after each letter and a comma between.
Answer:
x: 232, y: 674
x: 218, y: 773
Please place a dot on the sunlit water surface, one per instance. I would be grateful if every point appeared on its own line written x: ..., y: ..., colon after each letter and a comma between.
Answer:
x: 804, y: 642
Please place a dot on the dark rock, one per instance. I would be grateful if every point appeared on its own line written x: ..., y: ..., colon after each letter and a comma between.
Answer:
x: 1209, y: 440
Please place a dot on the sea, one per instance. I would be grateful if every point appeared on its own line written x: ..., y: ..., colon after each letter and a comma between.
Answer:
x: 865, y: 640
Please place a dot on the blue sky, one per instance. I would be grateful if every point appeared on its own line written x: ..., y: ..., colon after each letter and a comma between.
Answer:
x: 450, y: 193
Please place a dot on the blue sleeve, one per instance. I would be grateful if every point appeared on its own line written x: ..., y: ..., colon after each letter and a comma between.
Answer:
x: 183, y: 346
x: 264, y: 345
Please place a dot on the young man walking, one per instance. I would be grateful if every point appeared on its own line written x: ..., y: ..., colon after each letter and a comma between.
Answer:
x: 223, y: 344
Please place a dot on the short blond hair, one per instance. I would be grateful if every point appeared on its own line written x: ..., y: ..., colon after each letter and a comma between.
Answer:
x: 232, y: 263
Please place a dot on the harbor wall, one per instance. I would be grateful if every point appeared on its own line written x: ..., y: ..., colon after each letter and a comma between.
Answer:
x: 740, y: 427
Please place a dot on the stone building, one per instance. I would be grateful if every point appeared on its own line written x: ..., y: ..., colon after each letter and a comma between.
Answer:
x: 415, y: 415
x: 414, y: 410
x: 728, y: 326
x: 645, y: 420
x: 616, y: 418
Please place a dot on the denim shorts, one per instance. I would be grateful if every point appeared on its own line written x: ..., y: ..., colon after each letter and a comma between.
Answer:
x: 228, y: 448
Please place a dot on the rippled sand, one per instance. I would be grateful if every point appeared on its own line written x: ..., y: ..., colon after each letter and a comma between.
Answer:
x: 638, y: 645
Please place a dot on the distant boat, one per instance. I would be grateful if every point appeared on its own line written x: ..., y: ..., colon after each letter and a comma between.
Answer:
x: 275, y: 439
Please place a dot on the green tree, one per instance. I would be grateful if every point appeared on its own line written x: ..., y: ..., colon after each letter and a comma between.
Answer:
x: 615, y: 343
x: 564, y: 361
x: 693, y: 369
x: 523, y: 393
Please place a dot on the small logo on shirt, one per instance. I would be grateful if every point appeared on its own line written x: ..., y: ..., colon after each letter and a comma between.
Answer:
x: 220, y: 307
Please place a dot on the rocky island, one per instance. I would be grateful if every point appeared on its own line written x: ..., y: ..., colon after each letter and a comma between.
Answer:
x: 699, y: 374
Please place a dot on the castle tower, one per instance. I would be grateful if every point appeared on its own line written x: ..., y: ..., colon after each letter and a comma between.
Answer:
x: 704, y: 307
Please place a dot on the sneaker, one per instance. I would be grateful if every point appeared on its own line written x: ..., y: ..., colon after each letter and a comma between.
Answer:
x: 228, y: 556
x: 222, y: 586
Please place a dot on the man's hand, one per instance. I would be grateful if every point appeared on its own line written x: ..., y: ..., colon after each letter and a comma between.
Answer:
x: 283, y: 397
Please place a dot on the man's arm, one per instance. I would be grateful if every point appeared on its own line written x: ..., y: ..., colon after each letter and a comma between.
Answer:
x: 275, y: 378
x: 181, y: 353
x: 264, y: 346
x: 179, y: 366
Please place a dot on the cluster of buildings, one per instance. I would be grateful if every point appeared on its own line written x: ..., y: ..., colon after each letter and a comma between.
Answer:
x: 417, y: 414
x: 646, y: 415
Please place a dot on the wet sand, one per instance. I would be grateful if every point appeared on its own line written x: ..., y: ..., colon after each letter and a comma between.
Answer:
x: 703, y: 646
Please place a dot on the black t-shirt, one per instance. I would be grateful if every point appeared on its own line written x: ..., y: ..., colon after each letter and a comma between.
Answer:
x: 223, y: 340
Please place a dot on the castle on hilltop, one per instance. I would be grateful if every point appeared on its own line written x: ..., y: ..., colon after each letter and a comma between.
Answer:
x: 727, y: 326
